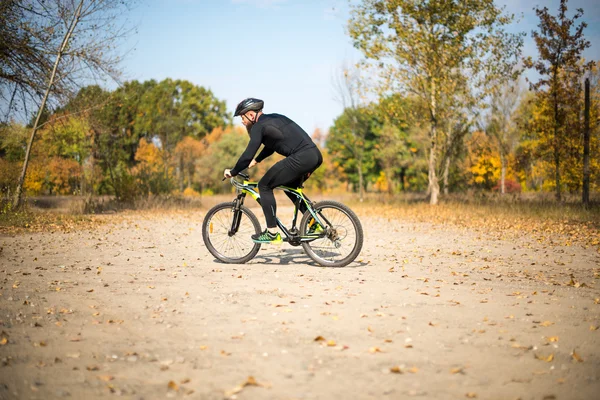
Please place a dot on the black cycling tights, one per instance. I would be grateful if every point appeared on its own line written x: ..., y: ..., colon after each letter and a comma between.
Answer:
x: 287, y: 172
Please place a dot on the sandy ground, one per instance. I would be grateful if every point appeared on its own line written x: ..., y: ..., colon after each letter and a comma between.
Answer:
x: 139, y: 309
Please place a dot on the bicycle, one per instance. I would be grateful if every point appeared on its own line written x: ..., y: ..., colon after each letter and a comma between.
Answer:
x: 335, y: 242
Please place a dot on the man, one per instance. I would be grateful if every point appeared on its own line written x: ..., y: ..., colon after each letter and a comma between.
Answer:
x: 279, y: 134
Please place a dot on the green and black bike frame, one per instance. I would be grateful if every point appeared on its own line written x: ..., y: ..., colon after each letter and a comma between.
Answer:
x: 292, y: 235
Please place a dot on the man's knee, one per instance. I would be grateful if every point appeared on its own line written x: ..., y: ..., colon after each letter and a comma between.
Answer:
x: 263, y: 186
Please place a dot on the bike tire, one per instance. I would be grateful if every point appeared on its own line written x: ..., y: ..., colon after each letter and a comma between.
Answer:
x: 342, y: 240
x: 231, y: 249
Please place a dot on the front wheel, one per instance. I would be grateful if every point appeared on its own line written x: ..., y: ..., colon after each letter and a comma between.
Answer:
x: 342, y: 237
x: 227, y: 245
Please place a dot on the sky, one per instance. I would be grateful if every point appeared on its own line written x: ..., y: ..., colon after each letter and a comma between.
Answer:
x: 285, y: 52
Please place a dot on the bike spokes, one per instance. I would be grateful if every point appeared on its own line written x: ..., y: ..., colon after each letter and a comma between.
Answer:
x: 341, y: 239
x: 227, y: 233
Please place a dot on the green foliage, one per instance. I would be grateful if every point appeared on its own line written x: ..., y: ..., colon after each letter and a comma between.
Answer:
x: 432, y: 49
x: 351, y: 143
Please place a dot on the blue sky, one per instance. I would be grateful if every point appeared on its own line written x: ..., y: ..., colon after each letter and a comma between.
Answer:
x: 283, y: 51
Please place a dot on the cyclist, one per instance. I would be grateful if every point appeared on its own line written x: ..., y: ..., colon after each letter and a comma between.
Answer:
x: 278, y: 134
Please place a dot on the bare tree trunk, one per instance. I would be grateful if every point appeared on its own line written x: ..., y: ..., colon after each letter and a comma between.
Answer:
x: 181, y: 173
x: 434, y: 186
x: 502, y: 172
x: 446, y: 175
x: 586, y: 147
x: 19, y: 191
x: 447, y: 155
x: 360, y: 181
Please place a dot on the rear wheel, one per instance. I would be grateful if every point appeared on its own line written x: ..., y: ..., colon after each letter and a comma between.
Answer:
x: 227, y: 246
x: 342, y: 238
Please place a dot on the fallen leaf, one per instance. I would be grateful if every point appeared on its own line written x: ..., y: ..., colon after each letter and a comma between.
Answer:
x: 545, y: 358
x: 173, y: 386
x: 552, y: 338
x: 331, y: 343
x: 576, y: 357
x: 374, y: 350
x: 89, y: 291
x: 106, y: 378
x: 593, y: 328
x: 3, y: 341
x: 250, y: 381
x: 547, y: 323
x: 396, y: 370
x: 458, y: 370
x: 471, y: 395
x: 319, y: 339
x: 413, y: 370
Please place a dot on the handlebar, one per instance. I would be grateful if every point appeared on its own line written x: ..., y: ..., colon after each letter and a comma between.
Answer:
x: 245, y: 176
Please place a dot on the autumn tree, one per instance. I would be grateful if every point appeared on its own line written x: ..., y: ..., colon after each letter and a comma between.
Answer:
x: 76, y: 41
x: 424, y: 47
x: 173, y: 109
x: 501, y: 123
x: 187, y: 151
x: 223, y: 146
x: 560, y: 43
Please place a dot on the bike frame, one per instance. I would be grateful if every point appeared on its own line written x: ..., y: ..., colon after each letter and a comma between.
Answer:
x: 291, y: 235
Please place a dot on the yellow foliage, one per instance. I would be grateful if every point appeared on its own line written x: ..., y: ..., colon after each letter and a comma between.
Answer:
x: 381, y: 184
x: 189, y: 192
x: 35, y: 178
x: 150, y: 158
x: 63, y: 172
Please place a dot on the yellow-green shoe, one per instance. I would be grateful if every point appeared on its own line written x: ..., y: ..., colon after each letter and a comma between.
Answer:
x: 267, y: 237
x: 315, y: 228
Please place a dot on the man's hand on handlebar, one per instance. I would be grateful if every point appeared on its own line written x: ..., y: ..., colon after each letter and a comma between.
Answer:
x: 227, y: 174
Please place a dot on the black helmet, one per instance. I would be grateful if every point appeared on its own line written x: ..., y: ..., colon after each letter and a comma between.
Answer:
x: 247, y: 105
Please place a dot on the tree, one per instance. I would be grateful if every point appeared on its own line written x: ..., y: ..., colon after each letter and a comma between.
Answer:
x: 351, y: 142
x: 173, y: 109
x: 560, y: 44
x: 351, y: 131
x: 79, y: 36
x: 186, y: 153
x: 501, y: 123
x: 223, y: 148
x: 425, y: 47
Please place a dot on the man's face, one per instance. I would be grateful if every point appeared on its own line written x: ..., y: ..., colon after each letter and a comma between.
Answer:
x: 248, y: 118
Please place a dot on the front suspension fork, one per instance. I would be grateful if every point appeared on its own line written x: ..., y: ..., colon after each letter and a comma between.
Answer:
x: 237, y: 214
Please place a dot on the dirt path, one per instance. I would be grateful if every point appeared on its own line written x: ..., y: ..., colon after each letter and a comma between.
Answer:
x: 139, y: 309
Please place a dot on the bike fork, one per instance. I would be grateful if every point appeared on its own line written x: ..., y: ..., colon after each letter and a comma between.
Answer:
x: 237, y: 214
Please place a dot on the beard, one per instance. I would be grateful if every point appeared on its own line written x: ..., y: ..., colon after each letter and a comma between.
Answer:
x: 249, y: 128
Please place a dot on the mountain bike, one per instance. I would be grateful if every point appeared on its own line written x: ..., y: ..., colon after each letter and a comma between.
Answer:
x: 330, y: 232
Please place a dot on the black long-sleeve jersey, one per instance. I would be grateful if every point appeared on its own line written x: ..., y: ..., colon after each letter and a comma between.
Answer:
x: 279, y: 134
